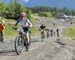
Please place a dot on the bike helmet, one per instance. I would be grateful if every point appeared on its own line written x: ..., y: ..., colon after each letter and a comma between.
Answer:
x: 22, y: 14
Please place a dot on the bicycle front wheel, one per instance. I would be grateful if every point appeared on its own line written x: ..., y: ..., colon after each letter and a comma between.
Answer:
x: 19, y: 44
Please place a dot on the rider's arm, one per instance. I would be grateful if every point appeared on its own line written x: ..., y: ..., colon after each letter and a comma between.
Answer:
x: 15, y: 26
x: 30, y: 24
x: 17, y: 22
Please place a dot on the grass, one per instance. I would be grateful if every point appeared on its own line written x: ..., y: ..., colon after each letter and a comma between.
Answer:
x: 34, y: 20
x: 7, y: 20
x: 34, y: 31
x: 9, y: 31
x: 69, y: 32
x: 46, y: 14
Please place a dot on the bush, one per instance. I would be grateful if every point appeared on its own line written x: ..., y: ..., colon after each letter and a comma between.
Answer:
x: 45, y: 14
x: 29, y: 12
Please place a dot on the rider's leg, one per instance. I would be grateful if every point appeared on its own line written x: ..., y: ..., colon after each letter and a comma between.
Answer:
x: 1, y: 36
x: 27, y: 35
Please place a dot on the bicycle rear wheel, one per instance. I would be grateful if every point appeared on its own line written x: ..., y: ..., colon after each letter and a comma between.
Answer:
x: 19, y: 44
x: 42, y: 36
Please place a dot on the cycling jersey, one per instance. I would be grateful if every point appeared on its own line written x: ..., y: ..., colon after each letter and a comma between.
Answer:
x: 23, y: 22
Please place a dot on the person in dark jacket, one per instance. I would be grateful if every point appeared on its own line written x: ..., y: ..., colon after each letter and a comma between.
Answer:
x: 57, y: 30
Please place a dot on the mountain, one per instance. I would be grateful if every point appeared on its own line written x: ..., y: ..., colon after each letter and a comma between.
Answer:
x: 70, y: 4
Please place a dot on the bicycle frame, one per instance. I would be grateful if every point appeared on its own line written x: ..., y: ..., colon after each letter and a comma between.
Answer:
x: 22, y: 34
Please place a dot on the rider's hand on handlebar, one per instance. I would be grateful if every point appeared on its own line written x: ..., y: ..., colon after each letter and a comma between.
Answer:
x: 15, y: 27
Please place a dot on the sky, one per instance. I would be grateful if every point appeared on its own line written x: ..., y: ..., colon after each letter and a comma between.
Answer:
x: 70, y: 4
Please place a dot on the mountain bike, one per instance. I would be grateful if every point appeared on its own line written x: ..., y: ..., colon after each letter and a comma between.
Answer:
x: 21, y: 42
x: 42, y: 35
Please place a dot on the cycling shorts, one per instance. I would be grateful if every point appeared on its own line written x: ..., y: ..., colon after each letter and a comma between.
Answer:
x: 26, y: 29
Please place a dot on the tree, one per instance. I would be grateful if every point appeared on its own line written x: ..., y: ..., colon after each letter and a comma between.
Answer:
x: 29, y: 12
x: 14, y: 9
x: 73, y: 12
x: 2, y: 8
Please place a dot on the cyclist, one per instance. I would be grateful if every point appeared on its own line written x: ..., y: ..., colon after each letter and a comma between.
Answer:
x: 25, y: 24
x: 2, y: 27
x: 42, y: 28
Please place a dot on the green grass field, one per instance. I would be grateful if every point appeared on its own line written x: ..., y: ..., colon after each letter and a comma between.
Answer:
x: 9, y: 31
x: 69, y: 32
x: 7, y: 20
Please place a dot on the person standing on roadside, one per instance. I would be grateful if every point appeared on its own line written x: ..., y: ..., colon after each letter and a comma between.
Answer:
x: 2, y: 27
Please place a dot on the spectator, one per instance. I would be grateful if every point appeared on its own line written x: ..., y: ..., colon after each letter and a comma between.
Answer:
x: 2, y: 27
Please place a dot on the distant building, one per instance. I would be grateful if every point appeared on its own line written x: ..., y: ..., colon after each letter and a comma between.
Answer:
x: 64, y: 16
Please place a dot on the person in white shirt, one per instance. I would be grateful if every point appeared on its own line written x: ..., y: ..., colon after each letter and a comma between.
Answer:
x: 25, y: 24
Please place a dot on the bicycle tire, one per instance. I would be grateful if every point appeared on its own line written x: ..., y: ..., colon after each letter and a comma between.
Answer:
x: 42, y: 36
x: 19, y: 44
x: 47, y: 35
x: 25, y: 41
